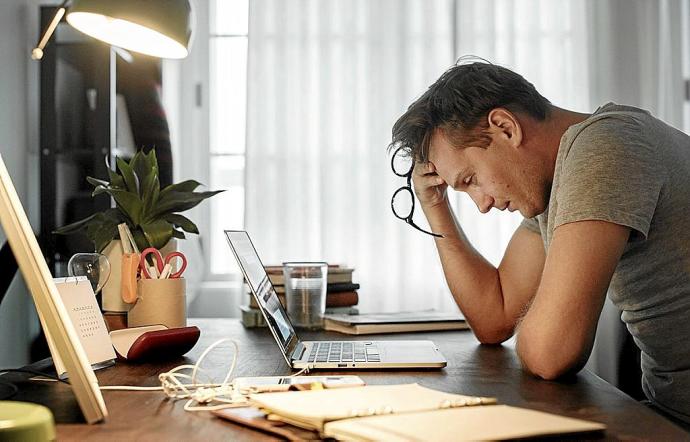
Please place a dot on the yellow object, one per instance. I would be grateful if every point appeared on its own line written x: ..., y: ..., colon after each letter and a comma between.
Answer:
x: 25, y: 422
x: 130, y: 265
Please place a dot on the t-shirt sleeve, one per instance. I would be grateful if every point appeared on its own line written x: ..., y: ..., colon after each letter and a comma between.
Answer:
x: 531, y: 224
x: 612, y: 172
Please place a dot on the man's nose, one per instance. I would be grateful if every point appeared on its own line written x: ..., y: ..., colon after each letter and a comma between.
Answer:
x: 484, y: 202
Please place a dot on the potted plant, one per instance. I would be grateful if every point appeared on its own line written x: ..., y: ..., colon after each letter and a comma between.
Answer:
x: 152, y: 214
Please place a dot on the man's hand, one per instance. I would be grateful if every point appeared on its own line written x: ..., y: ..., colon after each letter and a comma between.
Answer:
x: 428, y: 185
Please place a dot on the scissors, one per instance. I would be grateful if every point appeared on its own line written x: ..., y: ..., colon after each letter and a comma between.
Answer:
x: 161, y: 266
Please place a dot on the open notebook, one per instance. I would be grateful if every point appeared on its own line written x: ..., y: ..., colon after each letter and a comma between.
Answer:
x: 412, y: 412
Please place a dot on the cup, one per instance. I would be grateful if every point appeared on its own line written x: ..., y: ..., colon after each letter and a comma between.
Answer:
x: 159, y: 301
x: 305, y: 293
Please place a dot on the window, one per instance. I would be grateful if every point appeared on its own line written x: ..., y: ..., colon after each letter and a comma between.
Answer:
x: 228, y: 34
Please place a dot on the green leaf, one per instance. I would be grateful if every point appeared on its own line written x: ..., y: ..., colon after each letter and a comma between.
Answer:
x: 115, y: 216
x: 150, y: 192
x: 158, y: 233
x: 180, y: 201
x: 95, y: 182
x: 178, y: 234
x: 129, y: 203
x: 102, y: 230
x: 144, y: 165
x: 131, y: 180
x: 182, y: 222
x: 99, y: 190
x: 115, y: 179
x: 139, y: 163
x: 184, y: 186
x: 140, y: 239
x: 75, y: 226
x: 153, y: 161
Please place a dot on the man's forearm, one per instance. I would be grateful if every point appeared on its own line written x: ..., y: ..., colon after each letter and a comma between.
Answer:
x: 474, y: 282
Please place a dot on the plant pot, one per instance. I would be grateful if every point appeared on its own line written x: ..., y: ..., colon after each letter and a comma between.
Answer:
x: 112, y: 291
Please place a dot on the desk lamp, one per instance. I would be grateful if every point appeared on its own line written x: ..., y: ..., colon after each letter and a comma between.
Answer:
x: 161, y: 28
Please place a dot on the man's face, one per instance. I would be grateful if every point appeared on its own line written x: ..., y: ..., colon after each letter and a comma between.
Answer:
x: 499, y: 176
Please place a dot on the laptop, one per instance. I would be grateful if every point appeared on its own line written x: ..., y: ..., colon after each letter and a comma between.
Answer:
x: 323, y: 354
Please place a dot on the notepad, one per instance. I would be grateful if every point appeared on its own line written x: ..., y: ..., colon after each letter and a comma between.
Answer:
x: 399, y: 322
x: 406, y: 412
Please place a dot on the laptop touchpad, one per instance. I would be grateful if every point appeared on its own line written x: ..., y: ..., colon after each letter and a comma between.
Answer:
x: 409, y: 351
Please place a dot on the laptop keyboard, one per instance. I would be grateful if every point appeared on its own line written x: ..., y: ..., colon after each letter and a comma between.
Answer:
x: 344, y: 352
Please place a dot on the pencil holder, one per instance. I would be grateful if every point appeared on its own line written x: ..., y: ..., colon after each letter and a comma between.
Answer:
x: 159, y: 301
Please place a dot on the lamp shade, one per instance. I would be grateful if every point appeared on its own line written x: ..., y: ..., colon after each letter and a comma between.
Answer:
x: 162, y: 28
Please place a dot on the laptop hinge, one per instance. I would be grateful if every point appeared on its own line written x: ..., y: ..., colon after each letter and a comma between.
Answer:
x: 297, y: 352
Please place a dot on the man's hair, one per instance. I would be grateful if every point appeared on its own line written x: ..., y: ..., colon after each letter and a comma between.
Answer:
x: 458, y: 104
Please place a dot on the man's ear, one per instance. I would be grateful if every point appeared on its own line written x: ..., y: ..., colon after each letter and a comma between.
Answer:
x: 505, y: 124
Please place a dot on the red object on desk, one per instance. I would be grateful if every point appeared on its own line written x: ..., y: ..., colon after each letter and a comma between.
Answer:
x: 163, y: 343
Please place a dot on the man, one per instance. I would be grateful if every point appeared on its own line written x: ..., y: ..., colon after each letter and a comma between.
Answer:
x: 606, y: 201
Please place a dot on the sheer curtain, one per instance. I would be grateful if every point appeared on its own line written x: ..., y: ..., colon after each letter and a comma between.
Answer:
x: 637, y: 53
x: 327, y: 79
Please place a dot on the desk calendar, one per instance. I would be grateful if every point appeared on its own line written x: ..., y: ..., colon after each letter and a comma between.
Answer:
x: 80, y: 301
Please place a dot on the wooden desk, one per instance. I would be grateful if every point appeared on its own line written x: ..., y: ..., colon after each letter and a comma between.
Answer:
x: 472, y: 369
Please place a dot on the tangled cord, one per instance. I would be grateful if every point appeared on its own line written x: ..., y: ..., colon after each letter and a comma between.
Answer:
x: 201, y: 396
x: 203, y: 393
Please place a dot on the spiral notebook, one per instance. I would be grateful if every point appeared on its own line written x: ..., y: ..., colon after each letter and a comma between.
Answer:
x: 411, y: 412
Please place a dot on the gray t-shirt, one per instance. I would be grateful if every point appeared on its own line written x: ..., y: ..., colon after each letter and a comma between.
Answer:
x: 624, y: 166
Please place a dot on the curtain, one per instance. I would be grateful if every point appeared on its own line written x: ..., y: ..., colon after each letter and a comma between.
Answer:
x: 637, y: 55
x: 327, y: 80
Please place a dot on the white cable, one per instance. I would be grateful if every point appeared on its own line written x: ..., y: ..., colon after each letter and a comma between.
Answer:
x: 210, y: 395
x: 178, y: 385
x: 303, y: 371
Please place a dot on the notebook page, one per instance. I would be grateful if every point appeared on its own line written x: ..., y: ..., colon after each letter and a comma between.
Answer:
x: 494, y: 422
x: 312, y: 408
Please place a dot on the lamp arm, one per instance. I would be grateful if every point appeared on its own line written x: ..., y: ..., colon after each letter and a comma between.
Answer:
x: 37, y: 52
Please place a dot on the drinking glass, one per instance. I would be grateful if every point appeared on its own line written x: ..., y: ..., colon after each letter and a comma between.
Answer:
x: 305, y: 293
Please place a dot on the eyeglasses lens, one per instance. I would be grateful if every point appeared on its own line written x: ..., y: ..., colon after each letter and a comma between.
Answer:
x: 402, y: 163
x: 403, y: 203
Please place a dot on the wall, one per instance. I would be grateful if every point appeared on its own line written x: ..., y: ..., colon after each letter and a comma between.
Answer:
x: 18, y: 131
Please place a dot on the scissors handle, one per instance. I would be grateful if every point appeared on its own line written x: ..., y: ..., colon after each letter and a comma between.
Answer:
x: 183, y: 265
x: 145, y: 265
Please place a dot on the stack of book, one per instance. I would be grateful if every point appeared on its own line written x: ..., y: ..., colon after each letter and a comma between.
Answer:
x: 341, y: 294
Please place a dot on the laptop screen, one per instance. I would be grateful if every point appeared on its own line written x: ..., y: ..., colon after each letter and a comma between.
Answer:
x: 261, y: 287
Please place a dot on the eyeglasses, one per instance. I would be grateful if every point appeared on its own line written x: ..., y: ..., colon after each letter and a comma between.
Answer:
x: 402, y: 202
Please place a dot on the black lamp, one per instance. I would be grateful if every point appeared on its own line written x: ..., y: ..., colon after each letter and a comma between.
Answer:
x: 161, y: 28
